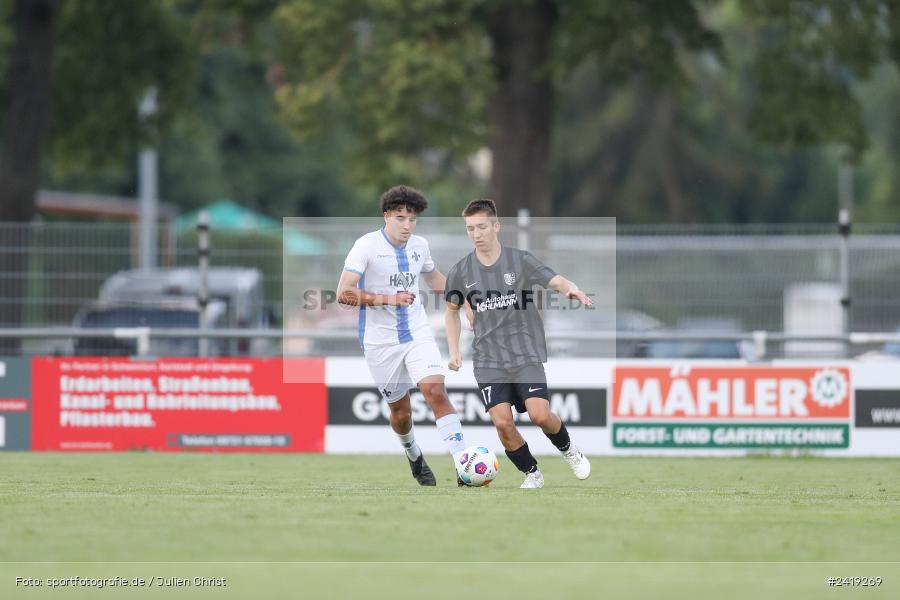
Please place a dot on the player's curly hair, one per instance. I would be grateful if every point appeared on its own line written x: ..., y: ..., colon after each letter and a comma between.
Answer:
x: 403, y: 195
x: 481, y: 205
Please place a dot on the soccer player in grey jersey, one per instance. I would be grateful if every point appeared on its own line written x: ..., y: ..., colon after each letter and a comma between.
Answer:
x: 509, y: 346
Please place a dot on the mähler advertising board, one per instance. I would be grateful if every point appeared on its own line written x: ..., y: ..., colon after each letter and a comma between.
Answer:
x: 725, y: 407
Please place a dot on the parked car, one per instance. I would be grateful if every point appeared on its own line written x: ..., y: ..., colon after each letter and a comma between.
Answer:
x: 171, y: 313
x: 241, y: 289
x: 167, y: 297
x: 890, y: 351
x: 558, y: 323
x: 343, y: 324
x: 683, y: 349
x: 893, y: 348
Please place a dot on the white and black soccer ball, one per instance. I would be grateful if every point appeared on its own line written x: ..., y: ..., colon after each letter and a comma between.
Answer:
x: 477, y: 466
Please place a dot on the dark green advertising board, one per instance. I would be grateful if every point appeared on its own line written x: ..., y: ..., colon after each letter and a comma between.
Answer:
x: 15, y: 404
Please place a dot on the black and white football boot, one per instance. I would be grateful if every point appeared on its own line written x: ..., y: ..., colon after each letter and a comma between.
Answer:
x: 421, y: 472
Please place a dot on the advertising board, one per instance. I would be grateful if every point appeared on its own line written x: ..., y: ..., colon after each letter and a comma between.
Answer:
x: 175, y: 404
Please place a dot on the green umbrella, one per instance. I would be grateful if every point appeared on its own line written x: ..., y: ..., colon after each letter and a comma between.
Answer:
x: 231, y: 216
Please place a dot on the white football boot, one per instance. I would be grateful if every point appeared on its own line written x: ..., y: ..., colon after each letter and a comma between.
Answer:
x: 581, y: 466
x: 533, y: 480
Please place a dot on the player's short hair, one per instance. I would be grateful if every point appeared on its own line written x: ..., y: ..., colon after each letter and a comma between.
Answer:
x: 481, y: 205
x: 403, y: 195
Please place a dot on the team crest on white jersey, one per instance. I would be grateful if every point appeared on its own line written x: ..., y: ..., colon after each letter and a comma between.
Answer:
x: 509, y: 278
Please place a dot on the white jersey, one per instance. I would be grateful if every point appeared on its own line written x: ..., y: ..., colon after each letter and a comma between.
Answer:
x: 388, y: 269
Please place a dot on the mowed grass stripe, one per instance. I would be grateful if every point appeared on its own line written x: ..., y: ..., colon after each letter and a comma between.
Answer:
x: 240, y: 507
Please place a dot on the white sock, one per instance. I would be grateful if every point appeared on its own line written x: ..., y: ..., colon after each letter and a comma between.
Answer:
x: 408, y: 441
x: 450, y: 429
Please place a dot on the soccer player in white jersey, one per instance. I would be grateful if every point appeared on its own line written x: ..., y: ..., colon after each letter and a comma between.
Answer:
x: 381, y: 276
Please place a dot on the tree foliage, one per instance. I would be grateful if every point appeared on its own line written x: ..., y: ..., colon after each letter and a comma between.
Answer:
x: 402, y: 76
x: 411, y: 76
x: 225, y: 140
x: 678, y: 110
x: 703, y: 153
x: 110, y: 54
x: 807, y: 57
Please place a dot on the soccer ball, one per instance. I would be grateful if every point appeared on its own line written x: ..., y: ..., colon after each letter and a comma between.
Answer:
x: 477, y: 466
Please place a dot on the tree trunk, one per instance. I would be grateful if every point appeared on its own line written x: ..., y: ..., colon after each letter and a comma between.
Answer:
x: 24, y: 128
x: 522, y: 108
x: 666, y: 149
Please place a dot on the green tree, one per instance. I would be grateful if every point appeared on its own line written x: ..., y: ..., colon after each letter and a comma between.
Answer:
x: 410, y: 76
x: 75, y: 72
x: 231, y: 144
x: 649, y: 154
x: 878, y: 192
x: 401, y: 78
x: 24, y: 126
x: 105, y: 67
x: 808, y: 55
x: 228, y: 140
x: 692, y: 153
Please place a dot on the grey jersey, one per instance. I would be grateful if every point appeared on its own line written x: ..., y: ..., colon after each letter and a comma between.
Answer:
x: 509, y: 331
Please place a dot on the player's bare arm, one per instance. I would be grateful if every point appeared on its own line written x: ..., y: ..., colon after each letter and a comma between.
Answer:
x: 435, y: 280
x: 569, y: 290
x: 453, y: 328
x: 351, y: 295
x: 470, y: 314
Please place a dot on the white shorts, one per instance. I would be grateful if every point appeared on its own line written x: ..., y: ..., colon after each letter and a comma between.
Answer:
x: 399, y: 367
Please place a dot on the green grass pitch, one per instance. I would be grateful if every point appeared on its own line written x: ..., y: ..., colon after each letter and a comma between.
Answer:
x: 349, y: 526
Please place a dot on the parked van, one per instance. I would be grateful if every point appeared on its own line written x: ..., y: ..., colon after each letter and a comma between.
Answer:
x: 178, y: 313
x: 167, y: 297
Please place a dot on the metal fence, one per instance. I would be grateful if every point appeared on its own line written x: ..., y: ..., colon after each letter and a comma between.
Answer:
x: 761, y: 343
x: 690, y: 278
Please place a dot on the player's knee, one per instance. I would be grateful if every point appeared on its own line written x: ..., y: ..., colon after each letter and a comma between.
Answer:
x: 506, y: 429
x: 541, y: 418
x: 434, y: 392
x: 401, y: 417
x: 400, y: 414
